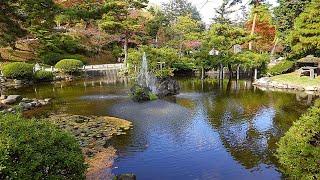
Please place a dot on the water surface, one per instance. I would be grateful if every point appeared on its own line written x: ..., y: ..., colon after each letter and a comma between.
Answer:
x: 211, y: 130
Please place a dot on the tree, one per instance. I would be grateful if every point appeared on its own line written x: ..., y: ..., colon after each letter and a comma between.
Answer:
x: 185, y: 29
x: 18, y: 15
x: 286, y: 13
x: 223, y: 12
x: 305, y: 37
x: 222, y: 37
x: 260, y: 23
x: 76, y: 10
x: 176, y: 8
x: 122, y: 19
x: 157, y: 23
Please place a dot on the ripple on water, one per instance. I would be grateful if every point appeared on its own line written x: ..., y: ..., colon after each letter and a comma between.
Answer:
x: 102, y: 97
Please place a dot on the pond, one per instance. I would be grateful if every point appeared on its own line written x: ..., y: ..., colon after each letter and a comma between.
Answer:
x: 211, y: 130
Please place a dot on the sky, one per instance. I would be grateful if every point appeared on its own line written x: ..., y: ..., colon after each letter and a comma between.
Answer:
x: 207, y: 9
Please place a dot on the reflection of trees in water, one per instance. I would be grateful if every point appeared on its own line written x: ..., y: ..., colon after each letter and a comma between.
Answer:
x: 237, y: 115
x: 157, y: 121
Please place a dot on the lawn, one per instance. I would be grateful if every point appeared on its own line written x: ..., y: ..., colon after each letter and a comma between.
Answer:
x: 295, y: 79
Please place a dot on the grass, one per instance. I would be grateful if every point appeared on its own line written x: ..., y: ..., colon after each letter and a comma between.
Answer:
x: 295, y: 79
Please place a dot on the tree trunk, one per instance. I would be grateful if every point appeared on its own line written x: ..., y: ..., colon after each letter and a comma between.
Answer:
x: 221, y: 71
x: 255, y: 73
x: 125, y: 51
x: 238, y: 71
x: 252, y: 29
x: 230, y: 71
x: 202, y: 72
x: 274, y: 47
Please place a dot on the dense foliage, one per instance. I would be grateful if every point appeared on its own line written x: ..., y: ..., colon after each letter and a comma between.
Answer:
x: 299, y: 149
x: 43, y: 76
x: 69, y: 66
x: 281, y: 68
x: 305, y: 36
x: 18, y: 70
x: 286, y: 13
x: 37, y: 150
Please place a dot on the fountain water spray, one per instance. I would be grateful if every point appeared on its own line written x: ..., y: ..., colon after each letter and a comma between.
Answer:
x: 145, y: 78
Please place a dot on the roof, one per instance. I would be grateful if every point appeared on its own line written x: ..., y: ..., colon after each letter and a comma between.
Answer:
x: 309, y: 59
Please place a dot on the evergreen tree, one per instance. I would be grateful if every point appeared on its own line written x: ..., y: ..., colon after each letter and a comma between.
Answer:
x: 123, y: 19
x: 176, y: 8
x: 223, y: 12
x: 305, y: 37
x: 17, y: 16
x: 286, y: 13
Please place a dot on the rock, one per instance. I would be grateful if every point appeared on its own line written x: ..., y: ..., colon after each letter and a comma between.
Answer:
x: 311, y: 88
x: 18, y: 82
x: 126, y: 177
x: 43, y: 102
x: 167, y: 87
x: 47, y: 99
x: 27, y: 100
x: 11, y: 99
x: 27, y: 106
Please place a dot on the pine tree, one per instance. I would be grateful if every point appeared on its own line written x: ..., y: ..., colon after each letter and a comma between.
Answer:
x: 122, y: 19
x: 305, y: 37
x: 176, y: 8
x: 286, y: 13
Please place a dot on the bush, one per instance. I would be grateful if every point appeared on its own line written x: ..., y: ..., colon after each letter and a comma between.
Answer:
x: 43, y: 76
x: 69, y: 65
x: 51, y: 58
x: 37, y: 150
x: 18, y: 70
x: 299, y: 149
x: 281, y: 68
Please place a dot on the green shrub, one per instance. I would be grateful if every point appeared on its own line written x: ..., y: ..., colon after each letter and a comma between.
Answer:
x: 37, y: 150
x: 152, y: 96
x: 69, y: 65
x: 299, y: 149
x: 18, y: 70
x: 281, y: 68
x: 43, y: 76
x: 51, y: 58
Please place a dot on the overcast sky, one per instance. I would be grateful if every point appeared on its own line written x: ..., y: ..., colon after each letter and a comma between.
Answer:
x: 207, y: 9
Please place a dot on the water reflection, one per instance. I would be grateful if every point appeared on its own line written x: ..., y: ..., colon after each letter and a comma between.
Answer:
x: 212, y: 130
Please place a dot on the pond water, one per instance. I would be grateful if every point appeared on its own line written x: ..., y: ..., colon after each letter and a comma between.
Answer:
x: 211, y: 130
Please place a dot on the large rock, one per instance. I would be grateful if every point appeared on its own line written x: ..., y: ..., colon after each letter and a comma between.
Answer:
x: 167, y: 87
x: 11, y: 99
x: 126, y: 177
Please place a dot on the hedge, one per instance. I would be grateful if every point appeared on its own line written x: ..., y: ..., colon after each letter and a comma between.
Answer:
x: 37, y: 150
x: 299, y: 149
x: 43, y: 76
x: 281, y: 68
x: 51, y: 58
x: 18, y: 70
x: 69, y: 65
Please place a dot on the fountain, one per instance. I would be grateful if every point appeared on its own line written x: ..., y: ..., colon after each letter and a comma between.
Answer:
x: 145, y: 78
x: 149, y: 87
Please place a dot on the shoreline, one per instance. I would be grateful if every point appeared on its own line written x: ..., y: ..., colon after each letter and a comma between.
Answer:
x: 267, y: 83
x: 93, y: 133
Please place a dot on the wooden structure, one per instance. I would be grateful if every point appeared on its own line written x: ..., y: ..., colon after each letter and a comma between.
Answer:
x: 309, y: 65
